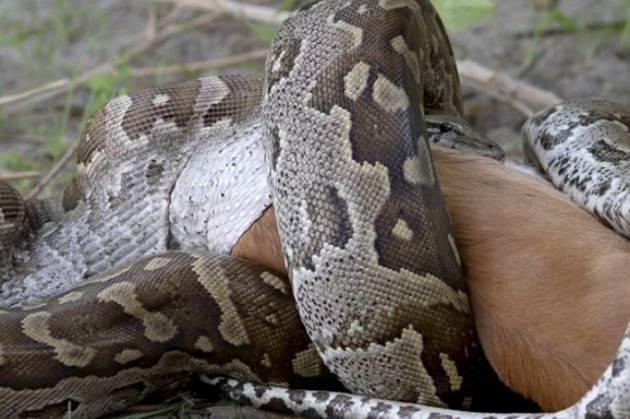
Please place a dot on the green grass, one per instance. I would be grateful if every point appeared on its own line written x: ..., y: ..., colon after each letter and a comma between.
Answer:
x: 458, y: 14
x: 591, y: 35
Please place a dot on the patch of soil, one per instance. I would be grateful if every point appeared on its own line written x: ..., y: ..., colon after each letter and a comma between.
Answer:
x: 588, y: 63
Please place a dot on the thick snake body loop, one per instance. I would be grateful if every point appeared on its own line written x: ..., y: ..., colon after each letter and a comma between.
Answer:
x: 584, y: 148
x: 125, y: 198
x: 129, y: 292
x: 12, y: 220
x: 148, y: 326
x: 609, y: 398
x: 364, y: 227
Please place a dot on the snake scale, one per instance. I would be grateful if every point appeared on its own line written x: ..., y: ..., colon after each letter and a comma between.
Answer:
x: 128, y: 289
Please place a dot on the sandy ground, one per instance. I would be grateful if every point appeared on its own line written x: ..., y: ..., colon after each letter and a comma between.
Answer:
x: 572, y: 65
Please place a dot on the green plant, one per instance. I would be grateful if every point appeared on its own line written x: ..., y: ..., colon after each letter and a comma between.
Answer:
x: 16, y: 161
x: 263, y: 31
x: 625, y: 36
x: 461, y: 13
x: 105, y: 86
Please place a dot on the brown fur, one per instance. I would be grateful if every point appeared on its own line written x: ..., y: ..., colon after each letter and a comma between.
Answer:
x: 548, y: 282
x: 261, y: 243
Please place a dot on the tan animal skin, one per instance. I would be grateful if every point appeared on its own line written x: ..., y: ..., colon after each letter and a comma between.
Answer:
x: 548, y: 282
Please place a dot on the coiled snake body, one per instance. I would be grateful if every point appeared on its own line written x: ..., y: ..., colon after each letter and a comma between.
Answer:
x: 366, y: 236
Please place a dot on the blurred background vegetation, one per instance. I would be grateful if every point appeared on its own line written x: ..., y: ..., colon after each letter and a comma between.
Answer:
x: 62, y: 59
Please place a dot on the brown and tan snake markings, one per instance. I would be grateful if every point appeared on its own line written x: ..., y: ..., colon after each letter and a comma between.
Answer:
x: 371, y: 145
x: 129, y: 290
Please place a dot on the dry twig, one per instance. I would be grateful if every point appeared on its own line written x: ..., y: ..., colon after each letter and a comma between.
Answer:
x: 521, y: 95
x: 199, y: 65
x: 152, y: 21
x: 46, y: 88
x: 8, y: 177
x: 258, y: 13
x: 517, y: 93
x: 52, y: 172
x: 138, y: 46
x: 151, y: 71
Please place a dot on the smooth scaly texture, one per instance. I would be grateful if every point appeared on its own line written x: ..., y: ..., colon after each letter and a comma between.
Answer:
x: 12, y: 214
x: 584, y: 148
x: 148, y: 326
x: 609, y: 398
x: 364, y: 228
x: 151, y: 324
x: 127, y: 201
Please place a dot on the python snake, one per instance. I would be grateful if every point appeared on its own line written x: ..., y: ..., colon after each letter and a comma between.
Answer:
x: 144, y: 295
x: 584, y: 148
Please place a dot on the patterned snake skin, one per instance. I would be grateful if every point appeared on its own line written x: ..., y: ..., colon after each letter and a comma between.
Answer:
x: 584, y: 148
x: 168, y: 179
